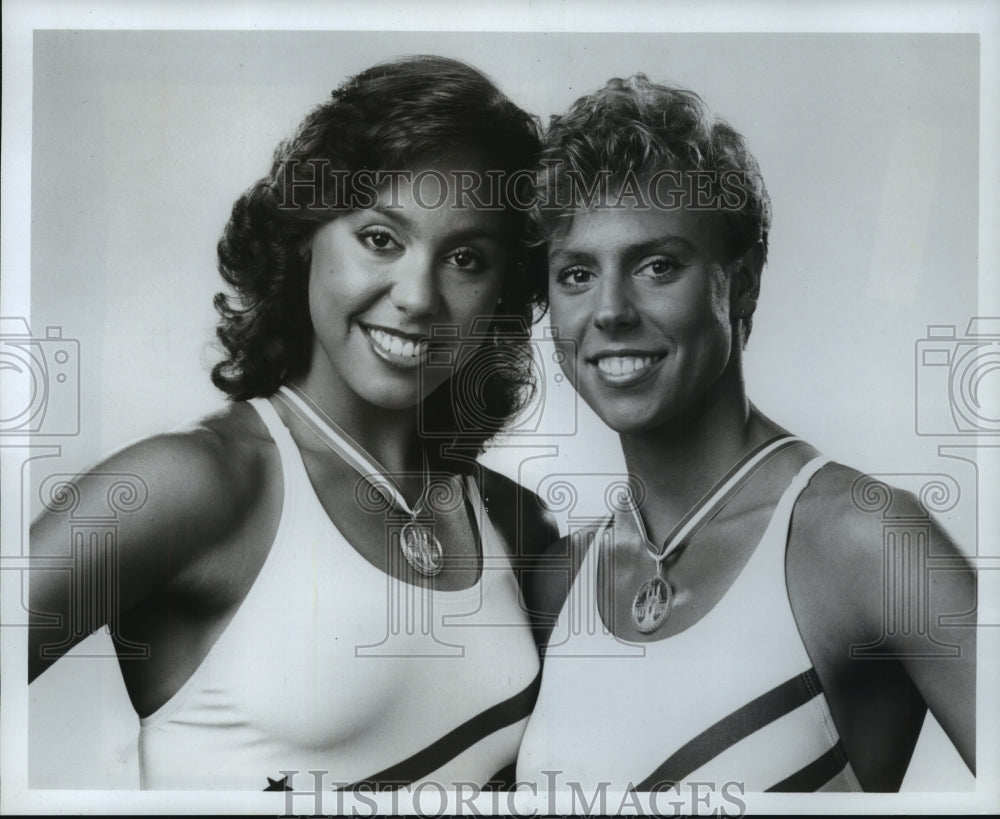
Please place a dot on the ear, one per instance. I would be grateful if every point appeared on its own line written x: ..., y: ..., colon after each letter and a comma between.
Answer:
x: 744, y: 281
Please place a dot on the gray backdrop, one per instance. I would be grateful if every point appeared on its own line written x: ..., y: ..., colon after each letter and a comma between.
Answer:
x: 142, y: 140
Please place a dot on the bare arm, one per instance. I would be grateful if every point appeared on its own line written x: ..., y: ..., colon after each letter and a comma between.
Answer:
x: 177, y: 501
x: 942, y: 661
x: 879, y: 595
x: 533, y: 545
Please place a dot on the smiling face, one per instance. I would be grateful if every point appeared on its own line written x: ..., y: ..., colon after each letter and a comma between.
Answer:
x: 644, y: 300
x: 382, y: 279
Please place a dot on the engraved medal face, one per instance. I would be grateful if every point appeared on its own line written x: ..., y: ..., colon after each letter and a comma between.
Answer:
x: 651, y: 605
x: 421, y: 549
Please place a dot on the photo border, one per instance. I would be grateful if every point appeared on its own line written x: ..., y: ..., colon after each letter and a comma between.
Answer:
x: 21, y: 18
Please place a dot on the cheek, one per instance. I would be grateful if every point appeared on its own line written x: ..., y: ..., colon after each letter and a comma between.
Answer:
x: 342, y: 289
x: 469, y: 301
x: 723, y: 326
x: 568, y: 316
x: 704, y: 311
x: 325, y: 303
x: 714, y: 336
x: 720, y: 294
x: 318, y: 300
x: 567, y: 357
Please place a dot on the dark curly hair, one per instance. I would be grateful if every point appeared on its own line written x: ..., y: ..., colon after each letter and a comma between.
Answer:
x: 395, y: 115
x: 635, y: 128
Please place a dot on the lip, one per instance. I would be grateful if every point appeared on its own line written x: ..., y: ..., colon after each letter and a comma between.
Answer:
x: 403, y: 351
x: 625, y: 367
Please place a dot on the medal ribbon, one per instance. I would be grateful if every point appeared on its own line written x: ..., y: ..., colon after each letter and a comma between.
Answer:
x: 711, y: 502
x: 350, y: 450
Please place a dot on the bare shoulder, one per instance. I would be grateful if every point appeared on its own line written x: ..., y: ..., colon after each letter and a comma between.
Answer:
x: 180, y: 499
x: 842, y: 513
x: 554, y: 570
x: 519, y: 514
x: 192, y: 482
x: 871, y: 575
x: 836, y: 537
x: 840, y: 534
x: 543, y: 562
x: 210, y: 466
x: 831, y: 505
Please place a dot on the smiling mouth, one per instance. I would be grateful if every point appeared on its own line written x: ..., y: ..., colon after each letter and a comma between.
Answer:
x: 396, y: 349
x: 625, y: 369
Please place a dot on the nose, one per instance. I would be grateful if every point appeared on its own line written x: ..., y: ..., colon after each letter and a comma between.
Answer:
x: 615, y: 309
x: 415, y: 288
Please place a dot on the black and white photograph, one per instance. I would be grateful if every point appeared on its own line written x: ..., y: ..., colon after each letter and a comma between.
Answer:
x: 547, y: 408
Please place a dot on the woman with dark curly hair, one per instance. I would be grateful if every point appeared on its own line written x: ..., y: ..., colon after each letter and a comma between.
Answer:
x: 315, y: 575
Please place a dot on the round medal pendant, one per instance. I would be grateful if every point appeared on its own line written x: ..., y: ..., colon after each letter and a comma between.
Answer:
x: 421, y: 549
x: 651, y: 605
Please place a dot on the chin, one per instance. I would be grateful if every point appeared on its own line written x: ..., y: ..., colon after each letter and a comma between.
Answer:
x: 628, y: 415
x: 624, y: 422
x: 398, y: 390
x: 631, y: 426
x: 392, y: 399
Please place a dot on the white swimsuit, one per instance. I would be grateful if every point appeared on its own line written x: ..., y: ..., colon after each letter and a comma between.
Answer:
x: 331, y: 664
x: 733, y: 698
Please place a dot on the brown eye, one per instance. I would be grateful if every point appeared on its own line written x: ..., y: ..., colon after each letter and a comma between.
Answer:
x: 377, y: 240
x: 661, y: 267
x: 465, y: 258
x: 574, y: 277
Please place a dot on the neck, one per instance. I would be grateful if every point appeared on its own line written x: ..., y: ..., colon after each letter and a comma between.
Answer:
x: 680, y: 461
x: 388, y: 436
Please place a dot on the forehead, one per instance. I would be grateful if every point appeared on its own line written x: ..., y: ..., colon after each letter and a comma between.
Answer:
x: 452, y: 196
x: 609, y: 231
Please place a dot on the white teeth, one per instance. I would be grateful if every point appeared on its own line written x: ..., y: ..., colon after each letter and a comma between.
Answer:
x: 394, y: 345
x: 623, y: 365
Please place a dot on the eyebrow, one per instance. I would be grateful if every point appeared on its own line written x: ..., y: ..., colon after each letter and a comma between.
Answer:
x: 571, y: 256
x: 471, y: 233
x: 460, y: 235
x: 392, y: 214
x: 662, y: 241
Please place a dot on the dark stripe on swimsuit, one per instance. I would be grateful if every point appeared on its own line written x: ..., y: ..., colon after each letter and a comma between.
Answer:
x: 454, y: 742
x: 814, y: 775
x: 503, y: 780
x: 738, y: 725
